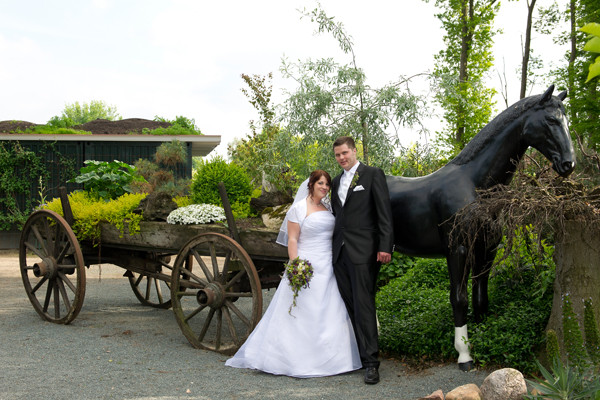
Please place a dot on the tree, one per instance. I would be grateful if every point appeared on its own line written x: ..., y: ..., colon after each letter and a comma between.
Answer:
x: 526, y: 49
x: 333, y: 100
x: 461, y: 68
x: 259, y: 152
x: 76, y: 114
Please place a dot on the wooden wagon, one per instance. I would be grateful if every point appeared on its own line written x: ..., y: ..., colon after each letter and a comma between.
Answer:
x: 211, y: 275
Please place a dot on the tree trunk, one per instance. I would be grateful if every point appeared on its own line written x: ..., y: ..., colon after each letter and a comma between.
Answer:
x: 577, y: 257
x: 527, y: 49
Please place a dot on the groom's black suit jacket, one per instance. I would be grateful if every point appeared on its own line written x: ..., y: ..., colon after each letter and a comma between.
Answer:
x: 364, y: 223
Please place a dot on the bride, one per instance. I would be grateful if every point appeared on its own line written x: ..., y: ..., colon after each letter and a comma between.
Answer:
x: 316, y: 338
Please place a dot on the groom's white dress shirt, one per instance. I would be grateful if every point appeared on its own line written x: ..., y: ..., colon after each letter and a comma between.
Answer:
x: 345, y: 181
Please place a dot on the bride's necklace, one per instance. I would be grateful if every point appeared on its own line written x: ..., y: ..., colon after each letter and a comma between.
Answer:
x: 313, y: 202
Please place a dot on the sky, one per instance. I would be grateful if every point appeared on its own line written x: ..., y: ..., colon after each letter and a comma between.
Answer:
x: 185, y: 57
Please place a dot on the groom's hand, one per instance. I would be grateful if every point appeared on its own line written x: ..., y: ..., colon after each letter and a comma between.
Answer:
x: 384, y: 257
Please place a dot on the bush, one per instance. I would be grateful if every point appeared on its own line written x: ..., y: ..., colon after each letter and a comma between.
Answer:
x: 416, y: 316
x: 415, y: 320
x: 89, y: 212
x: 205, y: 185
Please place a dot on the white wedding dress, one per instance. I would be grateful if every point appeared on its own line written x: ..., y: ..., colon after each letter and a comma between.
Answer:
x: 317, y: 339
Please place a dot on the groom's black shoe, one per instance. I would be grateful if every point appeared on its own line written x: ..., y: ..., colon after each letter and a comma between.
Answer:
x: 371, y: 375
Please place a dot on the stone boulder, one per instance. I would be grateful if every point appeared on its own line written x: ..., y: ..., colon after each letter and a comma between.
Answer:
x: 273, y: 217
x: 504, y: 384
x: 269, y: 200
x: 156, y: 206
x: 465, y: 392
x: 437, y: 395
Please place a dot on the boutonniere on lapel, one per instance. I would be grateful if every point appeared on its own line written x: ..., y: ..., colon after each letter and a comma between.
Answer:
x: 355, y: 179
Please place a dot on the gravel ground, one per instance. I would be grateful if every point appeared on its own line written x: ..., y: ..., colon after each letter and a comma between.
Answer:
x: 118, y: 349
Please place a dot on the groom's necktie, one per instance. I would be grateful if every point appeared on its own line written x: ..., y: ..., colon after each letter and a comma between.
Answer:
x: 344, y: 184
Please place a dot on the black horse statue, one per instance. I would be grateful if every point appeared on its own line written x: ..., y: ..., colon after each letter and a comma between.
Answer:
x: 423, y: 207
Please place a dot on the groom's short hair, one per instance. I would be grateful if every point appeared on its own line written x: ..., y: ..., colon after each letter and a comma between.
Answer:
x: 344, y: 140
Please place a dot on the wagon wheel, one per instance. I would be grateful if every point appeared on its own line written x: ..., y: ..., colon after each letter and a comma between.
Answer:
x: 152, y: 291
x: 223, y: 302
x: 52, y: 267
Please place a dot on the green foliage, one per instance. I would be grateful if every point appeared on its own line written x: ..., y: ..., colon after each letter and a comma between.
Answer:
x: 179, y: 126
x: 51, y: 130
x: 416, y: 303
x: 18, y: 169
x: 90, y: 211
x: 205, y: 185
x: 565, y: 383
x: 593, y: 46
x: 520, y: 293
x: 572, y: 338
x: 158, y: 174
x: 510, y: 336
x: 571, y: 71
x: 171, y: 153
x: 590, y: 327
x: 417, y: 160
x: 76, y: 114
x: 270, y: 153
x: 529, y: 260
x: 107, y: 180
x: 414, y: 310
x: 415, y: 321
x: 397, y: 267
x: 459, y: 75
x: 552, y: 346
x: 23, y: 174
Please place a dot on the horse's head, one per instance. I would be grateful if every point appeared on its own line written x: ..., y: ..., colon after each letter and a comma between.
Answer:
x: 546, y: 130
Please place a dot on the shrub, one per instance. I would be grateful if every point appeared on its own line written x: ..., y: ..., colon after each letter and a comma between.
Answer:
x: 205, y: 185
x: 416, y: 316
x: 415, y: 313
x: 415, y: 320
x: 397, y: 267
x: 89, y: 212
x: 159, y: 175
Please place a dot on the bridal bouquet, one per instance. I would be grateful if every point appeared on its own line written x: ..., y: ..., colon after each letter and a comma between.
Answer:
x: 299, y: 273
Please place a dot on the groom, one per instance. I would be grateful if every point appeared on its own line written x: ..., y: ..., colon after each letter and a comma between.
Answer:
x: 362, y: 240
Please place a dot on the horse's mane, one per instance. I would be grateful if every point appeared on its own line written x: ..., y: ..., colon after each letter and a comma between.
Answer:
x: 495, y: 126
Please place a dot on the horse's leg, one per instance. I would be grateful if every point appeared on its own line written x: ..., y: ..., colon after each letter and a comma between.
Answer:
x: 456, y: 260
x: 484, y: 257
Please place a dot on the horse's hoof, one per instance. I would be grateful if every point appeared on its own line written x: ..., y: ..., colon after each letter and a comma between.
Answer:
x: 466, y: 366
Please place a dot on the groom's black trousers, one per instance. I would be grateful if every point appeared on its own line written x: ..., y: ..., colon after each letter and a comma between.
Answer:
x: 357, y: 284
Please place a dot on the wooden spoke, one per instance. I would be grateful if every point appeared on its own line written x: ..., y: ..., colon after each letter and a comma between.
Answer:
x: 200, y: 261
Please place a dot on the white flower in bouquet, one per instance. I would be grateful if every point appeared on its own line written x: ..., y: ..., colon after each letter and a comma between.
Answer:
x: 196, y: 214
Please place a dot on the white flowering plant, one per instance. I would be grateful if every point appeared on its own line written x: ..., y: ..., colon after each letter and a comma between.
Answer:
x: 196, y: 214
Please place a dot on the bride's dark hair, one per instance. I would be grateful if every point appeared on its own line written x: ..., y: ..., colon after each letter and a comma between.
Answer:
x: 314, y: 178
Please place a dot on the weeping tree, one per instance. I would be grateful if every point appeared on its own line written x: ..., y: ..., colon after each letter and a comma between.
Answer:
x: 332, y: 100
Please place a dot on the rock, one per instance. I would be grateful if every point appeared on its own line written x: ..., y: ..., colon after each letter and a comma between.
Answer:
x: 437, y: 395
x: 274, y: 218
x: 269, y: 199
x: 465, y: 392
x: 504, y: 384
x: 156, y: 206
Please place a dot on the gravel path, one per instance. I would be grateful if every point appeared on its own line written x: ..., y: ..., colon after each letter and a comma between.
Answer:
x: 118, y: 349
